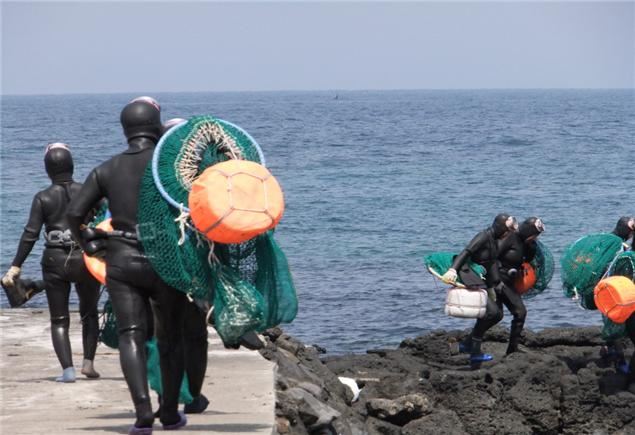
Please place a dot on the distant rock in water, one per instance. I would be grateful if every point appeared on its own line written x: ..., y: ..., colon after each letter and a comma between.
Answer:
x: 556, y: 384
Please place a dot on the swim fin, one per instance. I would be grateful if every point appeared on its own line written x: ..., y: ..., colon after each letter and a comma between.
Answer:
x: 22, y: 291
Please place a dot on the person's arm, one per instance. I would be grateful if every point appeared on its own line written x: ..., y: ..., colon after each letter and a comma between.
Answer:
x: 451, y: 275
x: 82, y: 204
x: 30, y: 235
x: 31, y: 232
x: 475, y: 244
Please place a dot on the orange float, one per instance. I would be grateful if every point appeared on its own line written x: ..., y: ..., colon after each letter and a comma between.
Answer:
x: 615, y: 298
x: 95, y: 265
x: 526, y: 279
x: 234, y: 201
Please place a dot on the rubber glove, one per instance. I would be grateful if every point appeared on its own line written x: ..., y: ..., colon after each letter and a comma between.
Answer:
x: 449, y: 276
x: 12, y: 274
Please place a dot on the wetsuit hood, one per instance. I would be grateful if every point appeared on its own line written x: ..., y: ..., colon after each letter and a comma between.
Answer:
x: 502, y: 224
x: 625, y: 227
x: 172, y: 123
x: 142, y: 118
x: 532, y: 226
x: 58, y: 162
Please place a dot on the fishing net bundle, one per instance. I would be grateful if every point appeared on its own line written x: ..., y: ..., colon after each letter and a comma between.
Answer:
x: 584, y: 263
x: 438, y: 263
x: 543, y: 263
x: 544, y: 266
x: 249, y: 283
x: 622, y: 265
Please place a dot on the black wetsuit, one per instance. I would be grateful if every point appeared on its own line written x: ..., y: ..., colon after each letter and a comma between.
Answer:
x: 131, y: 281
x: 483, y: 250
x: 62, y: 264
x: 512, y: 253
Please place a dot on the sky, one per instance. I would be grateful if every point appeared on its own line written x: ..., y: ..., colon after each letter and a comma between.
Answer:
x: 105, y: 47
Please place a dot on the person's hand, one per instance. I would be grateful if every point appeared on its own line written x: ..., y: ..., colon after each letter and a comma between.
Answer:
x: 12, y: 274
x: 449, y: 277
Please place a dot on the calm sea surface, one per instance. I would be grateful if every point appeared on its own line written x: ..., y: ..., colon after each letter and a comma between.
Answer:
x: 374, y: 181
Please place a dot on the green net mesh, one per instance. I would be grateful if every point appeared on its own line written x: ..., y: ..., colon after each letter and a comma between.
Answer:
x: 622, y: 265
x: 154, y: 373
x: 544, y: 266
x: 439, y: 262
x: 253, y: 274
x: 584, y: 263
x: 612, y: 331
x: 108, y: 329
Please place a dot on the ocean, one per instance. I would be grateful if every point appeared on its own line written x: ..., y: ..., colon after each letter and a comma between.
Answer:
x: 373, y: 181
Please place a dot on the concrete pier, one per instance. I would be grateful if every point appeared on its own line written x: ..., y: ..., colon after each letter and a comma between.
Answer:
x: 239, y: 385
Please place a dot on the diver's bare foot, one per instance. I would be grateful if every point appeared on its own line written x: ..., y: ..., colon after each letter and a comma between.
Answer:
x: 88, y: 370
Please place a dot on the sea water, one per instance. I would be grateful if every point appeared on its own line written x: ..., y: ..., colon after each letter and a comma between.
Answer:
x: 373, y: 181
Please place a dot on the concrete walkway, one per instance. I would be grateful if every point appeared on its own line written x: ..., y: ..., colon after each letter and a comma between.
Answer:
x: 239, y: 384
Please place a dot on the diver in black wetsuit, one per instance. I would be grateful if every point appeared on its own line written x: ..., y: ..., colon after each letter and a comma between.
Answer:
x: 483, y: 250
x: 624, y: 229
x: 62, y: 262
x: 630, y: 326
x: 513, y: 251
x: 130, y: 279
x: 613, y: 351
x: 195, y: 338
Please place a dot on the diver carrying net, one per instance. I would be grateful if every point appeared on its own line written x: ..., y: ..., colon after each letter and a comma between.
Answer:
x: 249, y: 284
x: 584, y: 263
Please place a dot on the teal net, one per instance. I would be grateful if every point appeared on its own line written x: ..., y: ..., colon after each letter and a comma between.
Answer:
x: 544, y: 266
x: 253, y: 274
x: 438, y: 263
x: 154, y: 373
x: 108, y: 333
x: 612, y: 331
x: 622, y: 265
x: 584, y: 263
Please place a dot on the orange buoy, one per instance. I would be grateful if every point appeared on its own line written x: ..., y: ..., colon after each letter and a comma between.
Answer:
x: 95, y: 265
x: 526, y: 279
x: 234, y: 201
x: 615, y: 298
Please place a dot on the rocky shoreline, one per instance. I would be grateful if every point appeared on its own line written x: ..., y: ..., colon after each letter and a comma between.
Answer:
x: 556, y: 384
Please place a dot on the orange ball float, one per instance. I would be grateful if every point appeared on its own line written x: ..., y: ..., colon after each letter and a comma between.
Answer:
x: 95, y: 265
x: 235, y: 200
x: 526, y: 279
x: 615, y: 298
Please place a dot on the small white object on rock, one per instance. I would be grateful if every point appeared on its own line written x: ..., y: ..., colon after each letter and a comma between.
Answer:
x: 350, y: 383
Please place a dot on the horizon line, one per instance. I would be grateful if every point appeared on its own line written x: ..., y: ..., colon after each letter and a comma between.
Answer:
x: 318, y: 90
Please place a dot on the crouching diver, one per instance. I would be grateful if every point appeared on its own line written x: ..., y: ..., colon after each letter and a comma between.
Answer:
x: 513, y: 251
x: 62, y: 262
x: 130, y: 279
x: 483, y: 250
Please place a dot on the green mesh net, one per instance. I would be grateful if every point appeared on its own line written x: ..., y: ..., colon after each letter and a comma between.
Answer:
x: 438, y: 263
x: 612, y: 331
x: 584, y: 263
x: 544, y: 265
x: 108, y: 329
x: 622, y: 265
x: 249, y: 283
x: 154, y: 373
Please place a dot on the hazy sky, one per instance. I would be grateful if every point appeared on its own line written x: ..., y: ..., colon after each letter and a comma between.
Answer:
x: 71, y: 47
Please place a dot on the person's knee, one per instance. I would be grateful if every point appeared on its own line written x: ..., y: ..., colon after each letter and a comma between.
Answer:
x: 132, y: 333
x: 63, y: 321
x: 520, y: 314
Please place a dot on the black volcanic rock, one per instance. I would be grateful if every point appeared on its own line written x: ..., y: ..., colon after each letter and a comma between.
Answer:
x: 556, y: 384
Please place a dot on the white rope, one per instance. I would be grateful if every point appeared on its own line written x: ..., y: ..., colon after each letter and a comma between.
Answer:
x: 181, y: 220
